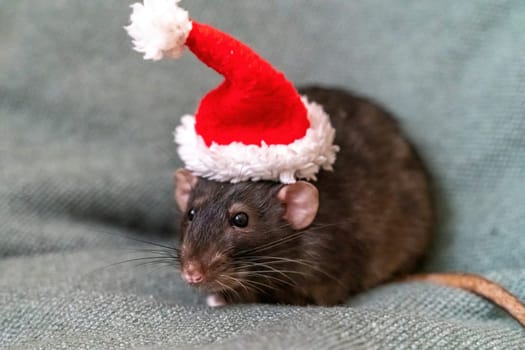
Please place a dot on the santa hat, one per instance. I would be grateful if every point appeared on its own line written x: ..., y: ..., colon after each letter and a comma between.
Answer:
x: 253, y: 126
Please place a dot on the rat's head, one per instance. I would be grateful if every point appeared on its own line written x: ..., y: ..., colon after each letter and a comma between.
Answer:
x: 232, y: 234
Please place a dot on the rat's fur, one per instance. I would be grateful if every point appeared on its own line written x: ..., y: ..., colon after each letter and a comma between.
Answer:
x: 373, y: 224
x: 374, y: 221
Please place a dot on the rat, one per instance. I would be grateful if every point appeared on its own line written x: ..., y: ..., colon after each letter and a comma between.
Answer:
x: 320, y: 242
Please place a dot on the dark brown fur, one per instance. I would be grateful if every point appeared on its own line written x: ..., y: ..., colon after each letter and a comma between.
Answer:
x: 374, y: 222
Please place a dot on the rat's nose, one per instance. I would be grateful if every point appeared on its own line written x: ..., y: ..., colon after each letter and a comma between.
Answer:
x: 192, y: 273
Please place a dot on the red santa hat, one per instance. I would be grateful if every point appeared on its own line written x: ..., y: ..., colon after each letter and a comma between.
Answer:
x: 254, y: 125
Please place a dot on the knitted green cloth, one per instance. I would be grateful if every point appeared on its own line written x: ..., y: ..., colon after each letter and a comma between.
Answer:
x: 86, y: 157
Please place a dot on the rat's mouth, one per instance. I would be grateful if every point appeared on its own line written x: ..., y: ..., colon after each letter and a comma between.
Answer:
x: 215, y: 277
x: 216, y: 283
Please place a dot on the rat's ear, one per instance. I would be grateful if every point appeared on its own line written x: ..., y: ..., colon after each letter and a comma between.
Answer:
x: 301, y: 201
x: 184, y: 183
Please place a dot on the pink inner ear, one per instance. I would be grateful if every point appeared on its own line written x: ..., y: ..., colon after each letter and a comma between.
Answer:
x: 184, y: 183
x: 301, y: 200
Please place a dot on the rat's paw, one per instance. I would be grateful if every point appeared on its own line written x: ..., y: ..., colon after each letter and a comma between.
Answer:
x: 215, y: 300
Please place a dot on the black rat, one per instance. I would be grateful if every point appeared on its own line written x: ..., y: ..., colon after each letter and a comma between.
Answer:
x: 317, y: 243
x: 304, y: 243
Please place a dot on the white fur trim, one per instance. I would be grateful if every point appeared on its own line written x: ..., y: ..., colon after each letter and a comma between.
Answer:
x: 236, y: 162
x: 158, y: 28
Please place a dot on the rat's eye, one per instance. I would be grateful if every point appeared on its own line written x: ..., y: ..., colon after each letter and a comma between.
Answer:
x: 191, y: 214
x: 240, y: 220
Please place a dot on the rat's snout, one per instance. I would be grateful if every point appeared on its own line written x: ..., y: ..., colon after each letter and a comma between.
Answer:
x: 192, y: 273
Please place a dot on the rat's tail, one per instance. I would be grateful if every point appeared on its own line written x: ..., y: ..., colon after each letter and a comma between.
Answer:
x: 480, y: 286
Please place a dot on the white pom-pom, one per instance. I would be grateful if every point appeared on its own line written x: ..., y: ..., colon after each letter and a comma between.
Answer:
x: 159, y: 28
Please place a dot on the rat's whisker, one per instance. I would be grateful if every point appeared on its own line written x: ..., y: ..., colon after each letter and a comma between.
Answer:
x: 151, y: 258
x: 136, y: 239
x: 227, y: 287
x: 147, y: 259
x: 322, y: 225
x: 309, y: 264
x: 266, y: 285
x: 271, y: 244
x: 270, y: 269
x: 156, y: 262
x: 161, y: 252
x: 280, y: 272
x: 246, y: 284
x: 239, y: 281
x: 264, y: 274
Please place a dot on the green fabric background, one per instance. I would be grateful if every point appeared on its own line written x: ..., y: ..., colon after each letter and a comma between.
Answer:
x: 86, y: 158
